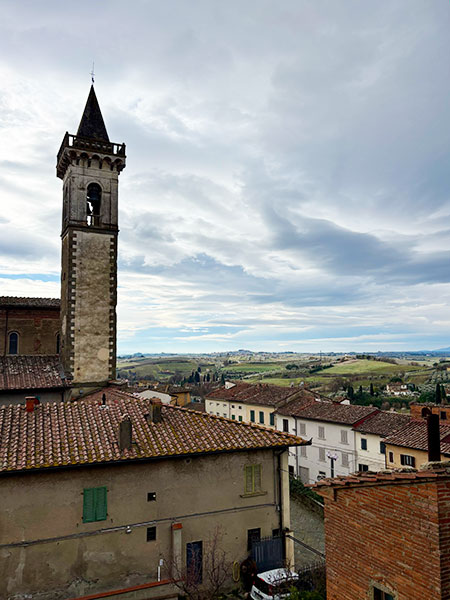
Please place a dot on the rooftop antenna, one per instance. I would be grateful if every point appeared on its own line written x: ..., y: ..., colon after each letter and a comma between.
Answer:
x: 93, y: 73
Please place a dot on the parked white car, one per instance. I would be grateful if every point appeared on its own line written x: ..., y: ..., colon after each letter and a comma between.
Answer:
x: 273, y: 585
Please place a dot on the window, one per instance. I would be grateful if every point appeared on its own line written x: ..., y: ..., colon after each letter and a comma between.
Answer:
x: 322, y: 454
x: 272, y: 419
x: 151, y: 497
x: 382, y: 448
x: 261, y: 417
x: 362, y: 467
x: 194, y: 561
x: 321, y: 475
x: 233, y: 417
x: 344, y: 436
x: 391, y: 457
x: 253, y: 535
x: 303, y: 451
x: 224, y: 414
x: 58, y: 343
x: 94, y: 504
x: 407, y: 460
x: 93, y: 202
x: 13, y: 343
x: 302, y: 428
x: 286, y: 425
x: 443, y: 415
x: 363, y: 444
x: 252, y: 479
x: 321, y: 432
x: 240, y: 418
x: 252, y: 416
x: 151, y: 534
x: 240, y: 407
x: 291, y: 471
x: 232, y: 406
x: 379, y: 594
x: 344, y: 456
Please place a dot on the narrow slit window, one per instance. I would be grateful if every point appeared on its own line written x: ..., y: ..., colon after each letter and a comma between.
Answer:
x: 13, y: 343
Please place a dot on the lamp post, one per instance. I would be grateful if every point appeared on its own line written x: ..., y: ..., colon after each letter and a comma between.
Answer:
x: 332, y: 456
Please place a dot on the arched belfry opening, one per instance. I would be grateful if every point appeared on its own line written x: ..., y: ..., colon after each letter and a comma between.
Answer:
x: 93, y: 204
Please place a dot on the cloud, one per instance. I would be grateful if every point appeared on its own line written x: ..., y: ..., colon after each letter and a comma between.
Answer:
x: 287, y: 179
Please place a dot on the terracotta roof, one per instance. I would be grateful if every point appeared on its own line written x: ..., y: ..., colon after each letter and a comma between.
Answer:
x: 31, y: 372
x: 383, y: 423
x: 414, y: 435
x: 84, y: 432
x: 21, y: 302
x: 348, y: 414
x: 262, y: 394
x: 367, y: 478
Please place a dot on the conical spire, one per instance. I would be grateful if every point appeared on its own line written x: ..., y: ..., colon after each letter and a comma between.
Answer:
x: 92, y: 124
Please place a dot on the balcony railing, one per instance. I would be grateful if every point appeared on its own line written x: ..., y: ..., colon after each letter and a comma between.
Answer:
x: 80, y: 143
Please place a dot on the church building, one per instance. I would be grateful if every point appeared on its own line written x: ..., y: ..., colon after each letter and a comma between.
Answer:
x: 73, y: 339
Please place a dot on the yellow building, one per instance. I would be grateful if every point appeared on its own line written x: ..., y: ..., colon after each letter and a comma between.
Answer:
x: 408, y: 447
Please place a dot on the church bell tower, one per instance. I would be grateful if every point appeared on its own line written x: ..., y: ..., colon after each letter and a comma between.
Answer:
x: 89, y: 165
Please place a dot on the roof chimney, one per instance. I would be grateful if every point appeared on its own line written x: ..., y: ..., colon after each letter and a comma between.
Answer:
x: 30, y: 403
x: 434, y: 438
x: 154, y: 413
x: 125, y: 433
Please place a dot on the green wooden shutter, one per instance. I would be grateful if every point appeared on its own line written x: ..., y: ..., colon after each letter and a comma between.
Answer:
x: 88, y: 505
x: 272, y: 418
x: 248, y: 480
x: 101, y: 508
x: 257, y: 478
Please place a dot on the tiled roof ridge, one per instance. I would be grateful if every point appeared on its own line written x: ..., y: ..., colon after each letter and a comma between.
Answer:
x: 85, y: 432
x: 29, y: 301
x: 428, y: 472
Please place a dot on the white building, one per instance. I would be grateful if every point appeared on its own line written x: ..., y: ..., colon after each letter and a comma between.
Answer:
x: 369, y: 439
x: 330, y: 427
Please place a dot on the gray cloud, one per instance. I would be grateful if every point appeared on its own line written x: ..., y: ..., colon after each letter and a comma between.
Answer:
x: 287, y: 164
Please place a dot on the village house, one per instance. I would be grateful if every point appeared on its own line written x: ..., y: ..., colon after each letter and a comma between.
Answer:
x: 254, y: 403
x: 370, y: 438
x: 330, y: 425
x: 103, y: 493
x: 387, y: 535
x: 398, y: 389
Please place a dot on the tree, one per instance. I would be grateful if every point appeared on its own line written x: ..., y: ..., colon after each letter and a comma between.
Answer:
x: 222, y: 379
x: 443, y: 394
x: 202, y: 580
x: 197, y: 377
x: 208, y: 376
x: 350, y: 392
x: 438, y: 397
x: 372, y: 393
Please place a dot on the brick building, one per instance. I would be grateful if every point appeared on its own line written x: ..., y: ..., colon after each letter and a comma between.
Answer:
x: 387, y: 535
x: 29, y: 326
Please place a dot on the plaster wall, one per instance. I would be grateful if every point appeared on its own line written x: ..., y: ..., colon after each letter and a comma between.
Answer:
x: 311, y: 462
x: 372, y: 457
x: 63, y: 553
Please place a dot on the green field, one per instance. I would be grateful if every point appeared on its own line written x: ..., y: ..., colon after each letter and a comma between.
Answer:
x: 359, y: 367
x: 254, y: 367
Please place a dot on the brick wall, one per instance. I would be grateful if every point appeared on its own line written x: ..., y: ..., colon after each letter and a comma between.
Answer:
x: 437, y: 409
x: 386, y: 534
x: 37, y: 329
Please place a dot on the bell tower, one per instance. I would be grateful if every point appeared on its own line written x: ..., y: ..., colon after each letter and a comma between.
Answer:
x: 89, y: 165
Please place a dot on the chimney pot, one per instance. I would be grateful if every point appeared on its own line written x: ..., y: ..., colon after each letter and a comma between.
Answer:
x: 30, y: 403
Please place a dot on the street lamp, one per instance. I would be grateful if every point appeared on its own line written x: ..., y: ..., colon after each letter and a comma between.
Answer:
x: 332, y: 456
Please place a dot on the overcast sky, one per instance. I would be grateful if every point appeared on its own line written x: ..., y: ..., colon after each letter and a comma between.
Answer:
x: 288, y: 175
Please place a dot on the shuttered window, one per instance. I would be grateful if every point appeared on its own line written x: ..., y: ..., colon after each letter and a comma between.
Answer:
x: 252, y: 479
x: 94, y: 504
